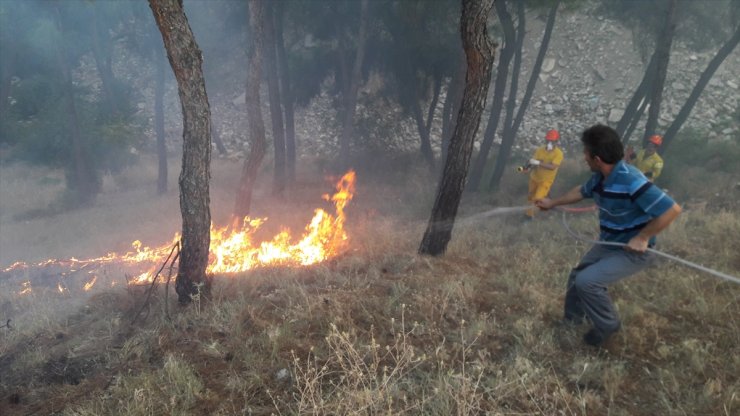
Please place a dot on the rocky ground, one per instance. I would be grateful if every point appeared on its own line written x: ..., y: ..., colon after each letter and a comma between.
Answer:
x: 588, y: 76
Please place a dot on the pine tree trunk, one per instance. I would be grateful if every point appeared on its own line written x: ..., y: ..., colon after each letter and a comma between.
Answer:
x: 711, y: 68
x: 630, y: 116
x: 479, y: 51
x: 452, y: 105
x: 350, y: 99
x: 285, y: 89
x: 159, y: 120
x: 426, y: 144
x: 499, y: 91
x: 273, y: 92
x: 663, y: 50
x: 186, y: 62
x: 254, y: 114
x: 508, y: 137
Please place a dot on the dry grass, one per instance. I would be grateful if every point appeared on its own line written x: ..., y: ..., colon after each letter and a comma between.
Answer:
x: 379, y: 330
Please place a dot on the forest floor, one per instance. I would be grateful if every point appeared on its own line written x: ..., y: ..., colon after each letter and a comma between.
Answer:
x: 377, y: 329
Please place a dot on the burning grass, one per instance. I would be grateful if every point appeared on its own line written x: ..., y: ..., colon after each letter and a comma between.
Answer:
x: 378, y: 329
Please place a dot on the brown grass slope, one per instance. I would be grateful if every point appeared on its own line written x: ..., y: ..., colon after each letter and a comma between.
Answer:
x: 381, y: 330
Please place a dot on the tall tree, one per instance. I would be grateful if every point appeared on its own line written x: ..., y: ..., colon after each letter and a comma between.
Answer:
x: 508, y: 138
x: 186, y: 62
x: 81, y: 178
x: 711, y: 68
x: 453, y: 100
x: 510, y: 130
x: 274, y: 98
x: 287, y: 94
x: 254, y: 114
x: 479, y: 51
x: 352, y: 88
x: 499, y: 92
x: 663, y: 52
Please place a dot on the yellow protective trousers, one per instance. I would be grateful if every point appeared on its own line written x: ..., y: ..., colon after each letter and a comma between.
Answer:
x: 537, y: 190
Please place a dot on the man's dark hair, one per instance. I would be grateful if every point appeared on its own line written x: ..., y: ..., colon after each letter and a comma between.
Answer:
x: 604, y: 142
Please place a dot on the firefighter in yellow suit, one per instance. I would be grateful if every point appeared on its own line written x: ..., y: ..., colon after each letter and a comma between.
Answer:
x: 543, y: 167
x: 647, y: 160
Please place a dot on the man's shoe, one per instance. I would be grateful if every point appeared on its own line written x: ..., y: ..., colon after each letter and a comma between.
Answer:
x: 596, y: 338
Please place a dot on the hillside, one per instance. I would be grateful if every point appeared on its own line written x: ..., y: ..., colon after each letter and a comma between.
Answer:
x: 377, y: 329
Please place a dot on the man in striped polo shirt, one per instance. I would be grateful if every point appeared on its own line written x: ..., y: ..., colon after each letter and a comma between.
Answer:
x: 632, y: 211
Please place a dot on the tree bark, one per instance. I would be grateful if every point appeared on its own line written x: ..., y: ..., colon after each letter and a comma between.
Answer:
x: 508, y: 137
x: 186, y: 62
x: 499, y: 91
x: 350, y: 99
x: 452, y: 105
x: 663, y: 50
x: 254, y: 114
x: 159, y: 120
x: 711, y: 68
x: 479, y: 51
x: 424, y: 126
x: 640, y: 96
x: 287, y: 96
x: 276, y: 110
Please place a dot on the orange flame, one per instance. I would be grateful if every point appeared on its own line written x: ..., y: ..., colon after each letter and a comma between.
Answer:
x: 324, y: 237
x: 90, y: 284
x: 234, y: 250
x: 25, y: 288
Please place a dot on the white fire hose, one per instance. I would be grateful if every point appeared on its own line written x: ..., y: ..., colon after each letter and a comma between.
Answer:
x: 509, y: 210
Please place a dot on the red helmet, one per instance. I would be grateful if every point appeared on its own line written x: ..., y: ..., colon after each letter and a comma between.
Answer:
x: 656, y: 140
x: 552, y: 135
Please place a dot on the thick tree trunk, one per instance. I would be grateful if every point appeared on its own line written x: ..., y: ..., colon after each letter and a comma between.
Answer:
x: 479, y: 51
x: 254, y: 114
x: 81, y: 177
x: 287, y: 95
x: 499, y: 91
x: 508, y: 137
x: 350, y: 99
x: 452, y: 105
x: 276, y: 110
x: 159, y: 120
x: 663, y: 49
x: 186, y: 61
x: 683, y: 114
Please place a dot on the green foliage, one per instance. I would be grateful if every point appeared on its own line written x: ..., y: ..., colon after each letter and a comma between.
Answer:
x: 693, y: 162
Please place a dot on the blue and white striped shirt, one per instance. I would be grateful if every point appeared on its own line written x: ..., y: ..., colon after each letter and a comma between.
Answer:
x: 627, y: 201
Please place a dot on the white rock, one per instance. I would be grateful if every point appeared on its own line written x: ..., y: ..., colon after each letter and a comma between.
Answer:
x: 731, y: 85
x: 615, y: 115
x: 282, y: 374
x: 548, y: 65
